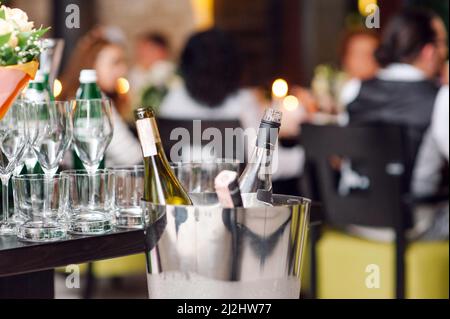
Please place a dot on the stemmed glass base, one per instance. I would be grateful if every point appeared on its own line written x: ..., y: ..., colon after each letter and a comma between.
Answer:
x: 41, y: 231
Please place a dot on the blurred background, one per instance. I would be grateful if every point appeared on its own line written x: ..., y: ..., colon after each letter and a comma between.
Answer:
x: 279, y: 38
x: 140, y: 48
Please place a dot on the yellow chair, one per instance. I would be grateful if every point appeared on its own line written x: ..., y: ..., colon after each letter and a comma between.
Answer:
x: 346, y: 263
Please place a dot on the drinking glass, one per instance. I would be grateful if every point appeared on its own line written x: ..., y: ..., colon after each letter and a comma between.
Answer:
x: 45, y: 216
x: 13, y: 141
x: 198, y: 178
x: 52, y: 125
x: 90, y: 209
x: 50, y: 130
x: 128, y: 191
x: 92, y: 130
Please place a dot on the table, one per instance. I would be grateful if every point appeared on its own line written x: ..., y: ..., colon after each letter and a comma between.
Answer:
x: 27, y: 269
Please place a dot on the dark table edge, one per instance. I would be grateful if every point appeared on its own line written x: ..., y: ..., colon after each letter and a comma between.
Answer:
x: 34, y: 258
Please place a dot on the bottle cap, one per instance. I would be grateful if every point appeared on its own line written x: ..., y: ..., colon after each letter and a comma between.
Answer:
x: 143, y: 112
x: 272, y: 116
x: 39, y: 77
x: 88, y: 76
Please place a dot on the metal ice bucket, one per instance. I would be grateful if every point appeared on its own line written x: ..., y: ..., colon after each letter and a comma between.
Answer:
x: 204, y: 251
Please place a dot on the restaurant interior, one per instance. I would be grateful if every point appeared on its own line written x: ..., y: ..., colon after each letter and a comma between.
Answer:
x: 364, y: 136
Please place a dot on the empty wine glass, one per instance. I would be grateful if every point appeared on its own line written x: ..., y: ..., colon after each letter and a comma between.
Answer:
x: 13, y: 141
x: 92, y: 130
x: 50, y: 130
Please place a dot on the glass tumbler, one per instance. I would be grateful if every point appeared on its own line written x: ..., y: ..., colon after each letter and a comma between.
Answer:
x: 42, y: 203
x: 128, y: 191
x: 198, y: 178
x: 90, y: 204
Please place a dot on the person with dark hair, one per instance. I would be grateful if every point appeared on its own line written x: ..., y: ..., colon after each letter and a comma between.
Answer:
x: 210, y: 89
x: 153, y: 70
x: 412, y: 53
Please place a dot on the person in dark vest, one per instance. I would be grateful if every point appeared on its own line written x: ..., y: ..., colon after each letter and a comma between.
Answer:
x: 412, y: 53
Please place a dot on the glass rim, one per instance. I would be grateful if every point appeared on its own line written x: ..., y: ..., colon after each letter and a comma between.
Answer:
x: 83, y: 172
x: 57, y: 102
x: 33, y: 177
x: 222, y: 161
x: 105, y: 99
x: 126, y: 168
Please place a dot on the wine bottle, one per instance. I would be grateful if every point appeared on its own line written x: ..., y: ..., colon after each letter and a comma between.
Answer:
x: 227, y: 189
x: 256, y: 180
x: 160, y: 184
x: 88, y: 90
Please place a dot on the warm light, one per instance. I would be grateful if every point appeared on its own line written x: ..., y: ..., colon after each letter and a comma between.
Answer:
x: 57, y: 88
x: 290, y: 103
x: 364, y: 6
x: 123, y: 86
x: 203, y: 11
x: 280, y: 88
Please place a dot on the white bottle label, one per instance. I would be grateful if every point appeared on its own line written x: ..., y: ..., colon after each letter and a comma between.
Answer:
x: 146, y: 136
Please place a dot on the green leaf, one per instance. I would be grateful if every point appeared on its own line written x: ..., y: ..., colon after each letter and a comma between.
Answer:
x: 2, y: 14
x: 4, y: 38
x: 23, y: 38
x: 40, y: 32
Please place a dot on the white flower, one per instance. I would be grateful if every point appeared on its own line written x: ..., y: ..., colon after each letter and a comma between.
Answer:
x: 19, y: 18
x: 5, y: 27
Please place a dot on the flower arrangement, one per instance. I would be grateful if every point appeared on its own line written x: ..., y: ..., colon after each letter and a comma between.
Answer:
x: 19, y: 50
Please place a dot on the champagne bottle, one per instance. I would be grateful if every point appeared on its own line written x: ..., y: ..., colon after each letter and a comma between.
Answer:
x: 256, y: 180
x: 88, y: 90
x: 227, y: 189
x: 160, y: 184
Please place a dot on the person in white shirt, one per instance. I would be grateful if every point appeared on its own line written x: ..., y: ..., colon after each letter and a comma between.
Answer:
x: 210, y: 90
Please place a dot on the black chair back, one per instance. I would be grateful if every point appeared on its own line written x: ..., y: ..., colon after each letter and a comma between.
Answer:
x: 361, y: 176
x: 218, y: 139
x: 358, y: 173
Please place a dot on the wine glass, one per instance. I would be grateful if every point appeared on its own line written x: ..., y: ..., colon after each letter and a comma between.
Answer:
x: 13, y: 141
x: 92, y: 130
x: 50, y: 130
x: 92, y: 133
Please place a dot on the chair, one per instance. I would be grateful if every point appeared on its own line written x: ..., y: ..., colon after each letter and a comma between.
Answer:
x: 361, y: 177
x: 180, y: 136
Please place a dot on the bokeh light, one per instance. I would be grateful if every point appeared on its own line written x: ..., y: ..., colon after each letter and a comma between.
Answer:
x: 280, y: 88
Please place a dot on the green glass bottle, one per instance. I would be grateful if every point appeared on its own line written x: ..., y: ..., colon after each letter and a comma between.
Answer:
x: 88, y: 90
x: 160, y: 184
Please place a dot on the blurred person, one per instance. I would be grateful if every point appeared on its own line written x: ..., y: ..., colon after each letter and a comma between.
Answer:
x: 357, y: 61
x: 96, y: 51
x: 152, y: 71
x: 210, y: 68
x: 412, y: 53
x: 358, y: 54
